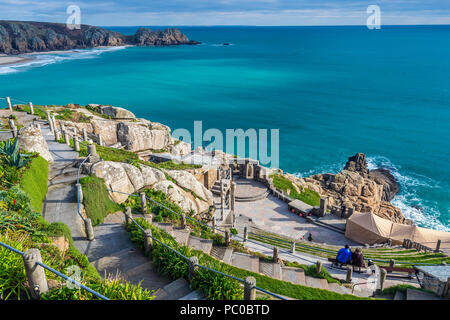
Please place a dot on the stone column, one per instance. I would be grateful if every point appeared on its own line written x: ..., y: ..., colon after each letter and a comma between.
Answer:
x: 293, y: 247
x: 51, y: 124
x: 31, y: 107
x: 89, y: 229
x: 148, y: 241
x: 8, y: 100
x: 383, y: 274
x: 233, y: 195
x: 249, y: 288
x: 100, y: 141
x: 35, y: 273
x: 79, y: 192
x: 57, y: 135
x: 275, y: 254
x: 193, y: 262
x: 143, y: 202
x: 323, y: 206
x: 76, y: 144
x: 222, y: 209
x: 85, y: 136
x: 245, y: 234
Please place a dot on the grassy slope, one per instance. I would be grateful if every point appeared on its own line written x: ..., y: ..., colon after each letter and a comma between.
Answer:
x: 308, y: 196
x: 96, y: 199
x: 35, y: 182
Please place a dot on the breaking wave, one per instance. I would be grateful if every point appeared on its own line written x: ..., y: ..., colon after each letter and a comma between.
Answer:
x: 40, y: 60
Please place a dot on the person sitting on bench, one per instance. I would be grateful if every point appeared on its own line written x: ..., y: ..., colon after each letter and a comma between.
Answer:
x: 358, y: 259
x: 344, y: 256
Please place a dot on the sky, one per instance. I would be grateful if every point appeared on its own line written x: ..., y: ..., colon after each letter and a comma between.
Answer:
x: 228, y: 12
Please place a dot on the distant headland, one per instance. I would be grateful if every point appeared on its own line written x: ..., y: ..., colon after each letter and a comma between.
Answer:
x: 17, y: 37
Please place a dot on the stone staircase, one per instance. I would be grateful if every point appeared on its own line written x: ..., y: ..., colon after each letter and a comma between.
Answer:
x: 250, y: 262
x: 216, y: 187
x: 412, y: 294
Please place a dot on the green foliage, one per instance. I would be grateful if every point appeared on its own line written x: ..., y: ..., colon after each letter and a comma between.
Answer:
x: 96, y: 199
x: 12, y: 116
x: 37, y: 110
x: 71, y: 115
x: 11, y: 155
x: 306, y: 195
x: 34, y: 181
x: 402, y: 287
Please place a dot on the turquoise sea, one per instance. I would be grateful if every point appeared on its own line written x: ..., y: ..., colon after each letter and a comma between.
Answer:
x: 332, y: 92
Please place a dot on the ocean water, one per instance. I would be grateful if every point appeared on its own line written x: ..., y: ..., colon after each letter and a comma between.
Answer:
x: 331, y: 91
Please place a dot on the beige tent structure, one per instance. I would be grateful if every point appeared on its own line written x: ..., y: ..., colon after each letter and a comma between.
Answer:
x: 370, y: 228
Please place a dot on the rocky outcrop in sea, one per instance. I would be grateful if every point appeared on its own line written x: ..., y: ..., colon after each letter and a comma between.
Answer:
x: 18, y: 37
x: 357, y: 187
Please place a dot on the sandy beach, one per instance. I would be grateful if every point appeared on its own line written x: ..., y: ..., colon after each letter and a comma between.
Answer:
x: 5, y: 59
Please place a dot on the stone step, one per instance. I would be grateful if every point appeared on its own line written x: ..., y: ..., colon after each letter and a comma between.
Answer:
x: 245, y: 261
x: 254, y: 198
x: 181, y: 235
x: 194, y: 295
x: 198, y: 243
x: 293, y: 275
x: 316, y: 283
x: 123, y: 261
x: 62, y: 171
x: 167, y: 227
x: 222, y: 253
x: 270, y: 269
x: 338, y: 288
x: 174, y: 290
x: 400, y: 295
x: 66, y: 179
x: 412, y: 294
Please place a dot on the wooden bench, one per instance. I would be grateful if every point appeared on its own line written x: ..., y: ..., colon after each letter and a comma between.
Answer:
x: 336, y: 263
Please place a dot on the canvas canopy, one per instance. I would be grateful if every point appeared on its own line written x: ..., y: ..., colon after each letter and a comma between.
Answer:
x: 370, y: 228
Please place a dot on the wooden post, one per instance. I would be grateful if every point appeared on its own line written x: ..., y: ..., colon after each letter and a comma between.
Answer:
x: 35, y: 273
x: 89, y: 229
x: 128, y: 216
x: 66, y: 137
x: 275, y: 254
x: 222, y: 207
x: 349, y: 275
x: 85, y: 137
x: 100, y: 140
x: 31, y: 107
x: 52, y: 123
x: 76, y: 144
x: 245, y: 234
x: 79, y: 192
x: 92, y: 150
x: 318, y: 267
x: 438, y: 246
x: 392, y: 263
x: 183, y: 221
x: 57, y: 135
x: 8, y: 100
x: 148, y: 241
x: 233, y: 195
x: 383, y: 274
x: 143, y: 203
x: 227, y: 238
x: 193, y: 262
x: 214, y: 225
x: 249, y: 288
x: 14, y: 132
x: 293, y: 247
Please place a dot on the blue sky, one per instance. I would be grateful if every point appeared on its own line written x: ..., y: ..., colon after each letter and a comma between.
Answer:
x: 229, y: 12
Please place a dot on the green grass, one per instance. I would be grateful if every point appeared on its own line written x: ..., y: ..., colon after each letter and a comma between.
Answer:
x: 402, y: 288
x: 96, y: 199
x: 306, y: 195
x: 35, y: 182
x: 37, y: 110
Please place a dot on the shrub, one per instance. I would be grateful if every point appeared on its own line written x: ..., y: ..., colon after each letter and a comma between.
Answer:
x: 306, y: 195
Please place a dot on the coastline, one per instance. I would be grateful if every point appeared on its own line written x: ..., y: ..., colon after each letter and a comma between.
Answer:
x: 9, y: 60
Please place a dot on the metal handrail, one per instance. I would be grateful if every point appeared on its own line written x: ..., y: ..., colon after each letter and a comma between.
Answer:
x: 57, y: 273
x: 199, y: 265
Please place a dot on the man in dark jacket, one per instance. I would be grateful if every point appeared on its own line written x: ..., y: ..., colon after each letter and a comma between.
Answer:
x: 358, y: 259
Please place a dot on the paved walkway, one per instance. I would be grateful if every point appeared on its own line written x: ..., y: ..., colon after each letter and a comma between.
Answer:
x: 271, y: 214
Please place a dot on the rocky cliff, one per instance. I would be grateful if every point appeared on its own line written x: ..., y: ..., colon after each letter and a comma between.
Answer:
x: 22, y: 37
x: 357, y: 187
